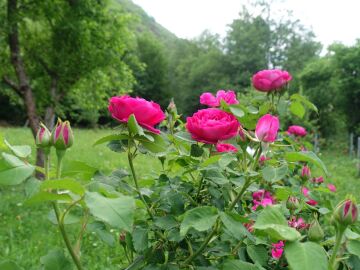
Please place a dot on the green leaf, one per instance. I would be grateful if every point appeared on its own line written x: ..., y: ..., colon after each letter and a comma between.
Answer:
x: 272, y: 222
x: 79, y: 169
x: 135, y: 129
x: 21, y: 151
x: 100, y: 229
x: 32, y: 186
x: 140, y: 239
x: 156, y: 145
x: 69, y: 218
x: 239, y: 265
x: 297, y: 109
x: 353, y: 246
x: 305, y: 101
x: 55, y: 260
x: 166, y: 222
x: 43, y: 196
x: 238, y: 112
x: 210, y: 160
x: 64, y: 184
x: 9, y: 265
x: 201, y: 219
x: 234, y: 224
x: 306, y: 256
x: 13, y: 171
x: 306, y: 156
x: 258, y: 254
x: 273, y: 175
x: 184, y: 136
x: 117, y: 212
x: 110, y: 138
x: 196, y: 150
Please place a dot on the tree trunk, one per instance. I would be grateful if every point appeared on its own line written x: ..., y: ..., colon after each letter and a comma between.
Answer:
x: 24, y: 87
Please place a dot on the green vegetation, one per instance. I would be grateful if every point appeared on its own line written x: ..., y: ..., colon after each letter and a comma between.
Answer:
x: 22, y: 227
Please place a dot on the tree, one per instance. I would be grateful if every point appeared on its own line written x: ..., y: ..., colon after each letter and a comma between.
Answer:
x: 59, y: 49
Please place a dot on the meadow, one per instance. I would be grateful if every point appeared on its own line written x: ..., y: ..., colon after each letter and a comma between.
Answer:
x: 22, y: 227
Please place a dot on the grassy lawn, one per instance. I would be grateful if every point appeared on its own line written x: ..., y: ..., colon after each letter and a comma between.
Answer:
x: 26, y: 234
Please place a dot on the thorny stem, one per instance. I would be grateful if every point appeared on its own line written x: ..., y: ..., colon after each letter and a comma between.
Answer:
x: 130, y: 159
x: 59, y: 218
x: 339, y: 236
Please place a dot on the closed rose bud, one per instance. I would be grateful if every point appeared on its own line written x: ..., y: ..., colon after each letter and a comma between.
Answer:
x: 346, y: 213
x: 315, y: 232
x: 122, y: 238
x: 62, y: 136
x: 292, y: 203
x: 305, y: 172
x: 43, y: 137
x: 172, y: 107
x: 267, y: 128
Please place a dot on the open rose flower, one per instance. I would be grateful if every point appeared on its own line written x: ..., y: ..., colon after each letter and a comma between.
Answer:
x: 310, y: 201
x: 210, y: 100
x: 262, y: 197
x: 297, y: 131
x: 277, y: 250
x: 270, y: 80
x: 147, y: 113
x: 212, y: 125
x: 225, y: 147
x: 267, y: 128
x: 298, y: 224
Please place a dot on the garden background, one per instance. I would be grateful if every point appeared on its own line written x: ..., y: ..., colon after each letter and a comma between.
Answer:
x: 76, y: 54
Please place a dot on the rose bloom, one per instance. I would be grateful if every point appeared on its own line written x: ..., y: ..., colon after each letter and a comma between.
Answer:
x: 298, y: 224
x: 262, y: 197
x: 267, y: 128
x: 318, y: 180
x: 225, y: 147
x: 270, y: 80
x: 210, y: 100
x: 147, y: 113
x: 212, y: 125
x: 297, y: 131
x: 277, y: 250
x: 305, y: 172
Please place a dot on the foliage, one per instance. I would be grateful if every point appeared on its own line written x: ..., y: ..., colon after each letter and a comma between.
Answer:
x: 198, y: 209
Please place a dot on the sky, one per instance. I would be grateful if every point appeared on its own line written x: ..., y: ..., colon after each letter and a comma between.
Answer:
x: 331, y: 20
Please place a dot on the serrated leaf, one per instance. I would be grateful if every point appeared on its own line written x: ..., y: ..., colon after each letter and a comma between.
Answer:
x: 110, y: 138
x: 43, y: 196
x: 14, y: 171
x: 271, y: 221
x: 306, y: 156
x: 63, y: 184
x: 200, y: 218
x: 117, y: 212
x: 306, y: 256
x: 297, y: 109
x: 79, y: 169
x: 21, y: 151
x: 234, y: 224
x: 140, y: 239
x: 353, y: 246
x: 274, y: 174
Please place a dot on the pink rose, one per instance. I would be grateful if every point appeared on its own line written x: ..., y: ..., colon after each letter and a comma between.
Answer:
x: 297, y: 131
x: 262, y: 197
x: 212, y: 125
x: 305, y: 172
x: 298, y: 224
x: 267, y: 128
x: 318, y: 180
x: 210, y: 100
x: 331, y: 187
x: 277, y: 250
x: 147, y: 113
x: 225, y: 147
x: 270, y: 80
x: 305, y: 191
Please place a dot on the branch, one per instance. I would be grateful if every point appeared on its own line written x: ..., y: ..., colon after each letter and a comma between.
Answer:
x: 12, y: 85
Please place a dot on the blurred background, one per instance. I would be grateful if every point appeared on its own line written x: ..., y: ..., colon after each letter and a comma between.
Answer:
x: 66, y: 58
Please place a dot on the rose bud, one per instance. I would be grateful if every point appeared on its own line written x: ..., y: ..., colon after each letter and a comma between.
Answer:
x: 267, y: 128
x: 292, y: 203
x: 122, y: 238
x: 346, y: 213
x: 297, y: 131
x: 43, y: 137
x: 62, y: 136
x: 305, y: 172
x: 315, y: 233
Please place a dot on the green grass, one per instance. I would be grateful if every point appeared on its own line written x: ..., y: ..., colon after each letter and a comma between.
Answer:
x: 25, y: 231
x: 26, y: 234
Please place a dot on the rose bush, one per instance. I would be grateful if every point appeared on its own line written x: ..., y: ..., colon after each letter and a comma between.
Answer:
x: 234, y: 190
